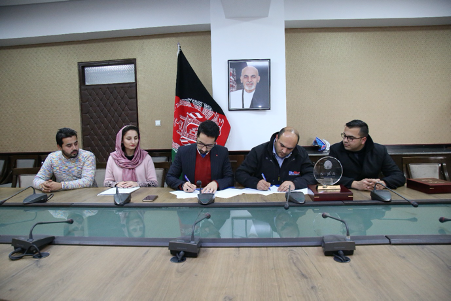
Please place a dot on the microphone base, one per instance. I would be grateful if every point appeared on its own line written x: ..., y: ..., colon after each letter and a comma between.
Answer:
x: 296, y: 197
x: 120, y: 199
x: 381, y: 195
x: 178, y: 258
x: 333, y: 243
x: 206, y: 198
x: 29, y: 247
x: 191, y: 248
x: 36, y: 198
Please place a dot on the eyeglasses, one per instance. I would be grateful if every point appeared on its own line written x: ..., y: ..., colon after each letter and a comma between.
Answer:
x: 350, y: 138
x: 202, y: 145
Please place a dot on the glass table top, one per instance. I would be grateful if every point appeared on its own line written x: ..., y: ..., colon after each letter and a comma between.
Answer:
x: 225, y: 223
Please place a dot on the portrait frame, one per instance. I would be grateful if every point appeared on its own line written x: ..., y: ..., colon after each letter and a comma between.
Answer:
x: 253, y: 94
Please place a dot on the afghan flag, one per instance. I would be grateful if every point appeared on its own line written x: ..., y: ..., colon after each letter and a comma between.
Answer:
x: 193, y: 105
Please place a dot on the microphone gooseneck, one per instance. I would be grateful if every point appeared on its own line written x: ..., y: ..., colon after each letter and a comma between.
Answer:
x: 287, y: 206
x: 206, y: 216
x: 444, y: 219
x: 326, y: 215
x: 2, y: 201
x: 30, y: 237
x: 413, y: 203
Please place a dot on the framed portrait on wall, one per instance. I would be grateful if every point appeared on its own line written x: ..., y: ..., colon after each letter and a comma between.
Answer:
x: 249, y: 84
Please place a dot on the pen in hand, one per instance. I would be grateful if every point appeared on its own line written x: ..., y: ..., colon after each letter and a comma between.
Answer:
x: 187, y: 186
x: 264, y: 178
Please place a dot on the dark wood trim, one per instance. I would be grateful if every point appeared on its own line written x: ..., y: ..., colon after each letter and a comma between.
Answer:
x: 237, y: 157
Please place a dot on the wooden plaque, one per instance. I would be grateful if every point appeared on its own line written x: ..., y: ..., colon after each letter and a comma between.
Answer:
x: 343, y: 195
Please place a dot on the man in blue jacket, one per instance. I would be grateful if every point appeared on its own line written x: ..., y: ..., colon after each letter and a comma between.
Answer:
x: 204, y: 161
x: 280, y: 161
x: 363, y: 160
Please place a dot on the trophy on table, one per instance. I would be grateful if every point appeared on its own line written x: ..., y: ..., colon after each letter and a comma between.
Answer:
x: 327, y: 172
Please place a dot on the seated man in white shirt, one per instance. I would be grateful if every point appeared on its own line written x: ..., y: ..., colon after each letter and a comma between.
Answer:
x: 73, y: 167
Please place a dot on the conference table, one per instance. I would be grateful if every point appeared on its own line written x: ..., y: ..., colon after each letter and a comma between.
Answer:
x: 376, y: 271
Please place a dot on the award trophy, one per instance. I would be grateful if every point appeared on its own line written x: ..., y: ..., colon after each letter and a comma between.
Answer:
x: 327, y: 172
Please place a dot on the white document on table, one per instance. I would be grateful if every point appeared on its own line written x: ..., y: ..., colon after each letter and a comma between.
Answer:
x: 112, y: 191
x: 231, y: 192
x: 271, y: 190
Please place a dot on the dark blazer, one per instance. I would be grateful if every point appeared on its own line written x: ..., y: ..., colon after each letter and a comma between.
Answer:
x: 297, y: 168
x: 185, y: 163
x: 377, y: 160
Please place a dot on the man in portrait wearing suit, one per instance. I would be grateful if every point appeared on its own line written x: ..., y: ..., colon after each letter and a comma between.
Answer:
x: 204, y: 161
x: 250, y: 96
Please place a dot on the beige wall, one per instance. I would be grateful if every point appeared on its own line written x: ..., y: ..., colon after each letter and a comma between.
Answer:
x: 40, y: 91
x: 396, y: 79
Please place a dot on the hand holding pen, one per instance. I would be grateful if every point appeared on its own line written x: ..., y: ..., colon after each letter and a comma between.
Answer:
x: 188, y: 186
x: 263, y: 184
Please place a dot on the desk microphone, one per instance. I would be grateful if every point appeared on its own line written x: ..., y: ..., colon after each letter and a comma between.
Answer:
x: 34, y: 198
x: 31, y: 246
x: 296, y: 197
x: 206, y: 216
x: 30, y: 236
x: 338, y: 245
x: 190, y: 248
x: 444, y: 219
x: 377, y: 192
x: 287, y: 195
x: 204, y: 198
x: 120, y: 199
x: 327, y: 215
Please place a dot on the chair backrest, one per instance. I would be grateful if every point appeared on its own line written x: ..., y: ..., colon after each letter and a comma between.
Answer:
x: 25, y: 161
x: 425, y: 167
x: 160, y: 156
x: 161, y: 169
x: 23, y: 177
x: 3, y: 168
x: 42, y: 158
x: 99, y: 177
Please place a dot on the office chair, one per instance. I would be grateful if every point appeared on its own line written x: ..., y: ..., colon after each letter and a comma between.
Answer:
x: 23, y: 177
x: 161, y: 169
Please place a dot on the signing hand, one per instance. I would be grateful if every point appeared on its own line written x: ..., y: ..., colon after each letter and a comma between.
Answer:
x: 284, y: 186
x: 210, y: 188
x: 189, y: 187
x: 263, y: 185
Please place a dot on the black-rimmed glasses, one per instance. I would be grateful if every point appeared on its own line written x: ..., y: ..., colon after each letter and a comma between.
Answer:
x: 202, y: 145
x: 349, y: 138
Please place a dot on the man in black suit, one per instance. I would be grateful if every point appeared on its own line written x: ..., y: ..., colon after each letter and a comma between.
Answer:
x: 204, y: 161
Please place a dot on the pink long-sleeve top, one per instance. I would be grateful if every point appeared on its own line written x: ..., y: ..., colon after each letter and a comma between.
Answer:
x: 145, y: 173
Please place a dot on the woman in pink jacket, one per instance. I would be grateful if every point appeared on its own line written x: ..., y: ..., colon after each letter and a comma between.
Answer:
x: 129, y: 165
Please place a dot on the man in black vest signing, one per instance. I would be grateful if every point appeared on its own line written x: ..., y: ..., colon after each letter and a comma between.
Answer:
x: 280, y: 161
